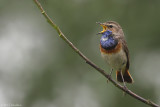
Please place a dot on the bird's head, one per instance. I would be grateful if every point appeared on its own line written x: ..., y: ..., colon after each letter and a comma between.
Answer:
x: 112, y: 26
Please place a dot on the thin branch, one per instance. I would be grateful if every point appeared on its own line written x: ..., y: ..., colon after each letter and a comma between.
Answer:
x: 148, y: 102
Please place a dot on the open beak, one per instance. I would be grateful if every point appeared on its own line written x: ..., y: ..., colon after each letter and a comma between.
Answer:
x: 103, y: 26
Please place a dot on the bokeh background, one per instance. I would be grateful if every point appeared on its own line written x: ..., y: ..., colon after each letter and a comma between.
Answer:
x: 38, y: 69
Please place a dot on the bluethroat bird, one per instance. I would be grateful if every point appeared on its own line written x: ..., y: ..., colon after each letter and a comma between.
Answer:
x: 114, y: 50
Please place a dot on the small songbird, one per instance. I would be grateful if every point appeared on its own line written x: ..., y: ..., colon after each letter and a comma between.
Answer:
x: 114, y: 50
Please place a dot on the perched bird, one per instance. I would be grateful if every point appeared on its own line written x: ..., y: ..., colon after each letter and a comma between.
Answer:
x: 114, y: 50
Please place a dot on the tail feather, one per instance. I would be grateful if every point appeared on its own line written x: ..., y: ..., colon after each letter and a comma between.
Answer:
x: 127, y: 77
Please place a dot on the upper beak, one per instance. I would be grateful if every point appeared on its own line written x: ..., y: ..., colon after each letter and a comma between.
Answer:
x: 103, y: 26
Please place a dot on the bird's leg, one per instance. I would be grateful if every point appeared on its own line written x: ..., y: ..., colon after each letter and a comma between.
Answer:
x: 123, y: 81
x: 123, y: 84
x: 110, y: 74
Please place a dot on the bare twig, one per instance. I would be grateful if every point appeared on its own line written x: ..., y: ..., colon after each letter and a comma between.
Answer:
x: 148, y: 102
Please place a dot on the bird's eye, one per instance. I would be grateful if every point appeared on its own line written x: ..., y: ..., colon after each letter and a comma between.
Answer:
x: 110, y: 26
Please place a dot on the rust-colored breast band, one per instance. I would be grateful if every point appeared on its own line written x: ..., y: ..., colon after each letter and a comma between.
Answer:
x: 115, y: 50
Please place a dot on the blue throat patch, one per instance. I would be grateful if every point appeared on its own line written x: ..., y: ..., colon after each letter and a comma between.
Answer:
x: 107, y: 41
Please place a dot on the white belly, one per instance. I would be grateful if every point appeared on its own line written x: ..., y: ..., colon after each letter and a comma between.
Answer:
x: 116, y: 60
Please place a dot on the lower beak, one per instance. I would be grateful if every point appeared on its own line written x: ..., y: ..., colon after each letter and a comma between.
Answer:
x: 103, y: 26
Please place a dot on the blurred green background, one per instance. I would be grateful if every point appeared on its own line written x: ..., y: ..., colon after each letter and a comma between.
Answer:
x: 38, y: 69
